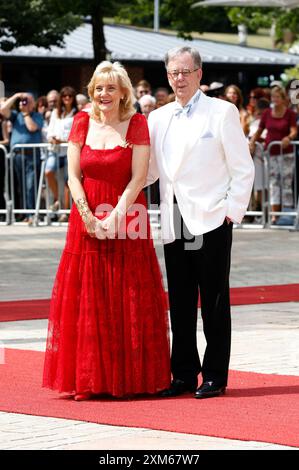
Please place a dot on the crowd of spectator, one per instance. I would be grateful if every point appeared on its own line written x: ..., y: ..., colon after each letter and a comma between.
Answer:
x: 266, y: 114
x: 48, y: 120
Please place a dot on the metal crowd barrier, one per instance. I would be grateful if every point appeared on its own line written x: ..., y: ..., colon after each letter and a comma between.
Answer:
x: 20, y: 157
x: 286, y: 183
x: 257, y: 218
x: 44, y: 193
x: 6, y: 211
x: 43, y: 214
x: 262, y: 218
x: 35, y: 157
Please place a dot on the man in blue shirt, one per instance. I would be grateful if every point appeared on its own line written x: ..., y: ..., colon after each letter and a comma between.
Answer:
x: 27, y: 125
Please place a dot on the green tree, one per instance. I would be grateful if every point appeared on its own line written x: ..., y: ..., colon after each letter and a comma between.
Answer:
x: 286, y: 22
x: 94, y: 11
x: 253, y: 18
x: 177, y: 15
x: 292, y: 73
x: 185, y: 19
x: 44, y: 23
x: 39, y: 22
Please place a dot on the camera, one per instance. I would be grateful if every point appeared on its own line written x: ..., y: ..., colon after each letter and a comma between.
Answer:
x: 24, y: 101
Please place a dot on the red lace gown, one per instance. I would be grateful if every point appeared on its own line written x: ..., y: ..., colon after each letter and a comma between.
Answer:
x: 108, y: 327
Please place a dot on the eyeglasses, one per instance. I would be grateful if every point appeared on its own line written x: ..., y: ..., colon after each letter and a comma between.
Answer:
x: 67, y: 96
x: 174, y: 74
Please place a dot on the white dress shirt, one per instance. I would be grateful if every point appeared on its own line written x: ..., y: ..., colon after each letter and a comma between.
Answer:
x: 177, y: 129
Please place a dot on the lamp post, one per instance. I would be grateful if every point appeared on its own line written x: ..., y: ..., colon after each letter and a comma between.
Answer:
x: 156, y: 16
x: 242, y: 34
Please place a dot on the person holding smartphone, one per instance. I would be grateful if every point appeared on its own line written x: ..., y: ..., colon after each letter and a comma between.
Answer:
x: 27, y: 125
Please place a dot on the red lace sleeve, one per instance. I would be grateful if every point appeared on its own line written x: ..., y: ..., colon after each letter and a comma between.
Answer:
x: 138, y: 133
x: 79, y: 128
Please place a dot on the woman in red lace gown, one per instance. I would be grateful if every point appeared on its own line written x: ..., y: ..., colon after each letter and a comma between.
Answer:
x: 108, y: 328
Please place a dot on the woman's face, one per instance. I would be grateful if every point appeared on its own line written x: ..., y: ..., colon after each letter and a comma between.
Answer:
x: 107, y: 95
x: 41, y: 108
x: 67, y: 99
x: 253, y: 99
x: 277, y: 100
x: 232, y: 95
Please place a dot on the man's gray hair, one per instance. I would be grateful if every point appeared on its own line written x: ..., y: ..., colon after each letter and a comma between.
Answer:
x: 182, y: 50
x: 145, y: 98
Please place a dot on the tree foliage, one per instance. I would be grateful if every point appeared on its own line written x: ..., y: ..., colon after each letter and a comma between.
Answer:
x: 39, y: 22
x: 292, y: 73
x: 177, y: 15
x: 254, y: 18
x: 45, y: 22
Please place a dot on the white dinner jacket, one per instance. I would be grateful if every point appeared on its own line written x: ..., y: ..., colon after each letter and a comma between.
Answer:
x: 212, y: 174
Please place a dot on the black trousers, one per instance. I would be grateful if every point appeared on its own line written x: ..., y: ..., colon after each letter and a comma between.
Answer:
x: 205, y: 270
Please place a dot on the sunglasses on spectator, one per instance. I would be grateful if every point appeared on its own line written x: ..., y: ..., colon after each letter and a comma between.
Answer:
x: 67, y: 96
x: 253, y: 96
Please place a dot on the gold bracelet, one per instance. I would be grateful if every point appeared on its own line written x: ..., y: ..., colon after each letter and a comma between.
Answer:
x: 83, y: 209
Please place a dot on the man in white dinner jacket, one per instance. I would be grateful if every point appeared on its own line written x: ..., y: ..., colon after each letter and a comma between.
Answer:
x: 201, y: 156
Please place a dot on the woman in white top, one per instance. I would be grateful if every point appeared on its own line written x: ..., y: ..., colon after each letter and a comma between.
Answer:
x: 234, y: 95
x: 58, y: 131
x: 260, y: 177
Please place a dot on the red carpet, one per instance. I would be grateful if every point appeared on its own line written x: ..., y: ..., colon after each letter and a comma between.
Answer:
x: 37, y: 309
x: 257, y: 407
x: 13, y: 310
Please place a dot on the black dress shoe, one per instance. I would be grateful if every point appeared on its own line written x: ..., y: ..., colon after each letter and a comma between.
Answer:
x: 178, y: 387
x: 209, y: 390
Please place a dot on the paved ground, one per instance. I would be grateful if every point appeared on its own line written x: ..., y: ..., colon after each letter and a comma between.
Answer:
x: 29, y: 256
x: 265, y: 337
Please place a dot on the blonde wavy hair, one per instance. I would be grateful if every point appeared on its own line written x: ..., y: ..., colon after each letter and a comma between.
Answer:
x: 280, y: 91
x: 116, y: 73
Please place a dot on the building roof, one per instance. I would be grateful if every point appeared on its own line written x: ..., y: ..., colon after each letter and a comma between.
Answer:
x: 131, y: 44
